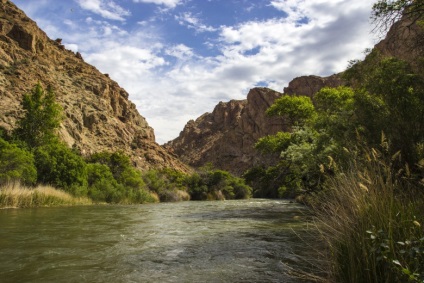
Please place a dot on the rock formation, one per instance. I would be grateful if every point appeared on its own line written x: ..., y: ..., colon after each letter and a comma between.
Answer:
x: 309, y: 85
x: 98, y: 114
x: 226, y: 137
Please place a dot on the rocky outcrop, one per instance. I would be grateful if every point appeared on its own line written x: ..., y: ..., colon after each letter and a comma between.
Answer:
x: 404, y: 40
x: 226, y: 137
x: 97, y: 113
x: 309, y: 85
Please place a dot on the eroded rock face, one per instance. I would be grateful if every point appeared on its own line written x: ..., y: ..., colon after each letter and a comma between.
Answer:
x: 226, y: 137
x: 309, y: 85
x: 98, y: 114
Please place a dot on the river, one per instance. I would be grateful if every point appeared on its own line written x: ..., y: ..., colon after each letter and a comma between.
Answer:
x: 219, y: 241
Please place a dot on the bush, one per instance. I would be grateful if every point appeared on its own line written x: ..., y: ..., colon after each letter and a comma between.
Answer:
x: 16, y: 164
x: 209, y: 184
x: 59, y: 166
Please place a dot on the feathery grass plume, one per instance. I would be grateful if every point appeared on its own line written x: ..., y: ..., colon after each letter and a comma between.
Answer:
x: 372, y: 232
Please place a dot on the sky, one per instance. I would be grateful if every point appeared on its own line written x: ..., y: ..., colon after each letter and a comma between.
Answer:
x: 177, y: 59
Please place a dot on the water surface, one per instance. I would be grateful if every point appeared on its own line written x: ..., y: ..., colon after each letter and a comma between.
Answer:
x: 222, y: 241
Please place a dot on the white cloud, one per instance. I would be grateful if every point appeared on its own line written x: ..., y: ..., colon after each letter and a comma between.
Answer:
x: 108, y: 9
x: 180, y: 51
x: 167, y: 3
x: 193, y: 22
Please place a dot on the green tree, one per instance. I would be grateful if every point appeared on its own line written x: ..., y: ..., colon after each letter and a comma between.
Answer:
x: 16, y: 164
x: 41, y: 119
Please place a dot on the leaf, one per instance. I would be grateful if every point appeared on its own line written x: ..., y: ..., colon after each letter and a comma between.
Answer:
x: 395, y: 261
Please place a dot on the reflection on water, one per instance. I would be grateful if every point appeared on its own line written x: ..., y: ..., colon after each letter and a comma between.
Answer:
x: 223, y: 241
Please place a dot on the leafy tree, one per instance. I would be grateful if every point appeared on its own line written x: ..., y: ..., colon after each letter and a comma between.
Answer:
x: 390, y: 99
x: 42, y: 117
x: 16, y: 164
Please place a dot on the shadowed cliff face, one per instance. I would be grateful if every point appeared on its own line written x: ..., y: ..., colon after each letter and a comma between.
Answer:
x: 98, y: 114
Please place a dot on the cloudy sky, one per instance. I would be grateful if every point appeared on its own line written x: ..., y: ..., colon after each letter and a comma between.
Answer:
x: 179, y: 58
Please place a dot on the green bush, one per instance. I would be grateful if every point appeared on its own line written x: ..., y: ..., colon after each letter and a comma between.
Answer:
x: 16, y: 164
x: 59, y: 166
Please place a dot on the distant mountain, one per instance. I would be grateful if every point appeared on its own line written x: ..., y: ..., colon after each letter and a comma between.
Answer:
x: 98, y: 114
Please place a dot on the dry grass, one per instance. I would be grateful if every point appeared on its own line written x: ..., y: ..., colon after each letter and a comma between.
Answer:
x: 14, y: 195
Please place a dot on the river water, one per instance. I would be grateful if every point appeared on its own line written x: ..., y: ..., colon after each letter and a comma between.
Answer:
x: 220, y: 241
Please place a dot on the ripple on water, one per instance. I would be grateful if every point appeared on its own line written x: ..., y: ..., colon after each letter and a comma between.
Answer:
x: 228, y: 241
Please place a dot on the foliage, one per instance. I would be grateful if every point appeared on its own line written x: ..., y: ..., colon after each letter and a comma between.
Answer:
x: 59, y: 166
x: 168, y: 184
x: 217, y: 184
x: 113, y: 179
x: 16, y: 164
x: 297, y: 109
x: 390, y: 99
x: 387, y: 12
x: 274, y: 143
x: 102, y: 186
x: 42, y: 117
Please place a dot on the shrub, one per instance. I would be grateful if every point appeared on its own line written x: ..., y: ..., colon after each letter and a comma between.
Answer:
x: 16, y: 164
x: 59, y: 166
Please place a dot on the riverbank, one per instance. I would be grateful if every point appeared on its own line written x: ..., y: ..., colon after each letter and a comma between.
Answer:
x: 14, y: 195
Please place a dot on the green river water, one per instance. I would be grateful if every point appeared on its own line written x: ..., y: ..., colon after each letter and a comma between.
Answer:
x: 220, y: 241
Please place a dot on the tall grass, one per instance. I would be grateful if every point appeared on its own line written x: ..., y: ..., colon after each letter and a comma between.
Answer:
x: 14, y: 195
x: 371, y: 220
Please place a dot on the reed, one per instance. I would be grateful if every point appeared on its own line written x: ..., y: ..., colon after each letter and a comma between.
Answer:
x: 14, y: 195
x: 371, y: 220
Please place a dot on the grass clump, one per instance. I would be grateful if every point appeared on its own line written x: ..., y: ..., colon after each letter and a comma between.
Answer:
x: 372, y: 221
x: 14, y: 195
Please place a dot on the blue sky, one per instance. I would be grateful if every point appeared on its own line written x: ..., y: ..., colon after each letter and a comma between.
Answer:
x: 179, y: 58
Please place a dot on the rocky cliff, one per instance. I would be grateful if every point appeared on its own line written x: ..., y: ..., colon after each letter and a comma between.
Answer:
x: 226, y: 137
x: 98, y: 114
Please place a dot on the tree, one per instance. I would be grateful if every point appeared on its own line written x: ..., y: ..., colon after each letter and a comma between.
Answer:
x: 42, y: 117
